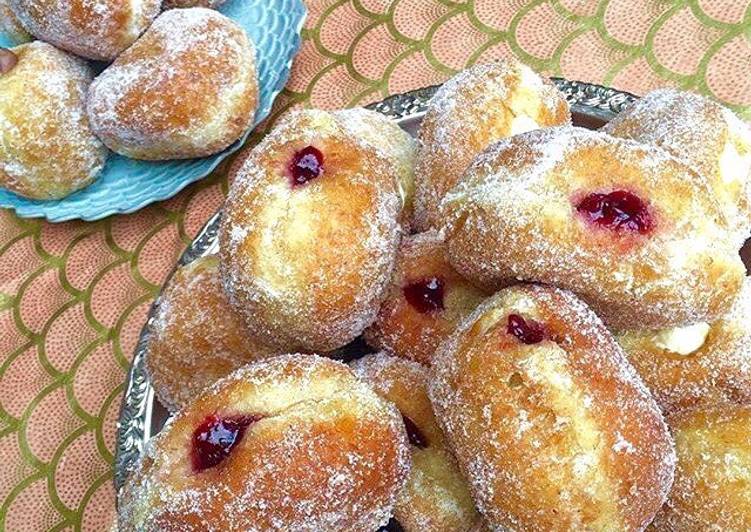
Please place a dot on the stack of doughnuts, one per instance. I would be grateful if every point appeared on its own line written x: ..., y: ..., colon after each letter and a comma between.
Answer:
x: 561, y: 318
x: 148, y: 103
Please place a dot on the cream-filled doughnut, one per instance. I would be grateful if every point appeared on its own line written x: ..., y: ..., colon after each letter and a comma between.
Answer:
x: 629, y: 228
x: 436, y: 497
x: 310, y: 232
x: 707, y: 136
x: 47, y: 149
x: 425, y: 301
x: 551, y: 425
x: 294, y: 442
x: 475, y: 108
x: 95, y: 29
x: 187, y: 88
x: 196, y: 336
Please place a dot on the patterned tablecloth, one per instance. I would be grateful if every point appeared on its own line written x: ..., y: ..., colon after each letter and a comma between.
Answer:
x: 73, y: 296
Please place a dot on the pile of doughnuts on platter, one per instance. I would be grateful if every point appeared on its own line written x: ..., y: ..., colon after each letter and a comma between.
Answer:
x: 560, y: 316
x: 176, y: 84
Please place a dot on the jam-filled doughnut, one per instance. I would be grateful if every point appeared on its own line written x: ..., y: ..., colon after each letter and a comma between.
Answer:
x: 712, y: 489
x: 436, y: 497
x: 294, y: 442
x: 47, y: 149
x: 550, y: 424
x: 698, y: 364
x: 10, y: 26
x: 186, y: 88
x: 310, y: 232
x: 425, y: 301
x: 196, y: 337
x: 708, y: 136
x: 98, y: 30
x: 629, y: 228
x: 475, y: 108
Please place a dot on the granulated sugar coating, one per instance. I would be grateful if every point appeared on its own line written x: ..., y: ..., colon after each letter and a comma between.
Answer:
x: 475, y: 108
x: 42, y: 112
x: 701, y: 364
x: 187, y: 88
x: 196, y: 337
x: 326, y: 453
x: 415, y: 332
x: 712, y: 489
x: 516, y: 215
x: 707, y: 136
x: 307, y: 264
x: 559, y: 435
x: 436, y: 497
x: 95, y: 29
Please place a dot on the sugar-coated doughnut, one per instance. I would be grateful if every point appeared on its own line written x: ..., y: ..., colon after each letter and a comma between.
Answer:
x: 211, y: 4
x: 709, y: 137
x: 196, y: 337
x: 310, y: 232
x: 436, y: 497
x: 95, y: 29
x: 629, y: 228
x: 712, y: 489
x: 11, y: 26
x: 186, y: 88
x: 47, y: 149
x: 294, y: 442
x: 472, y: 110
x: 551, y: 425
x: 425, y: 301
x: 698, y: 364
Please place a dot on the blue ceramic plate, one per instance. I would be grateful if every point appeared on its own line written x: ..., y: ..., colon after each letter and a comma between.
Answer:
x: 126, y: 185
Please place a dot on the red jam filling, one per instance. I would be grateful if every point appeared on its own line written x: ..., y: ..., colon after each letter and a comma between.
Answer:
x: 414, y: 434
x: 619, y: 211
x: 215, y: 437
x: 425, y: 295
x: 306, y: 165
x: 526, y: 331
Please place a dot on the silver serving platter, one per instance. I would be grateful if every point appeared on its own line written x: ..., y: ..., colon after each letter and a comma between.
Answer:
x: 141, y: 416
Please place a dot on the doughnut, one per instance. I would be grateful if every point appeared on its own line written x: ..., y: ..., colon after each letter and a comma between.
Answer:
x: 436, y: 497
x: 707, y: 136
x: 425, y: 301
x: 173, y: 4
x: 310, y: 232
x: 10, y: 26
x: 698, y: 364
x: 187, y: 88
x: 550, y: 424
x: 196, y: 337
x: 294, y: 442
x: 98, y: 30
x: 627, y: 227
x: 712, y: 489
x: 47, y: 149
x: 475, y: 108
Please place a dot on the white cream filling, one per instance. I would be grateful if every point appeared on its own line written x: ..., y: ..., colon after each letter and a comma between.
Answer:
x: 522, y: 123
x: 734, y: 167
x: 682, y: 340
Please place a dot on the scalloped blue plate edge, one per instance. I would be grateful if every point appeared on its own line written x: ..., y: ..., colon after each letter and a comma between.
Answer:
x: 32, y: 211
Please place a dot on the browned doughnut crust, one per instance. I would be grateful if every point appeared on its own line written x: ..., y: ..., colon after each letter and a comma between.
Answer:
x: 95, y: 29
x: 47, y: 150
x: 407, y: 331
x: 475, y: 108
x: 187, y: 88
x: 712, y: 489
x: 514, y: 216
x: 307, y: 265
x: 436, y: 497
x: 718, y: 370
x: 555, y: 435
x: 326, y: 454
x: 196, y: 336
x: 709, y: 137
